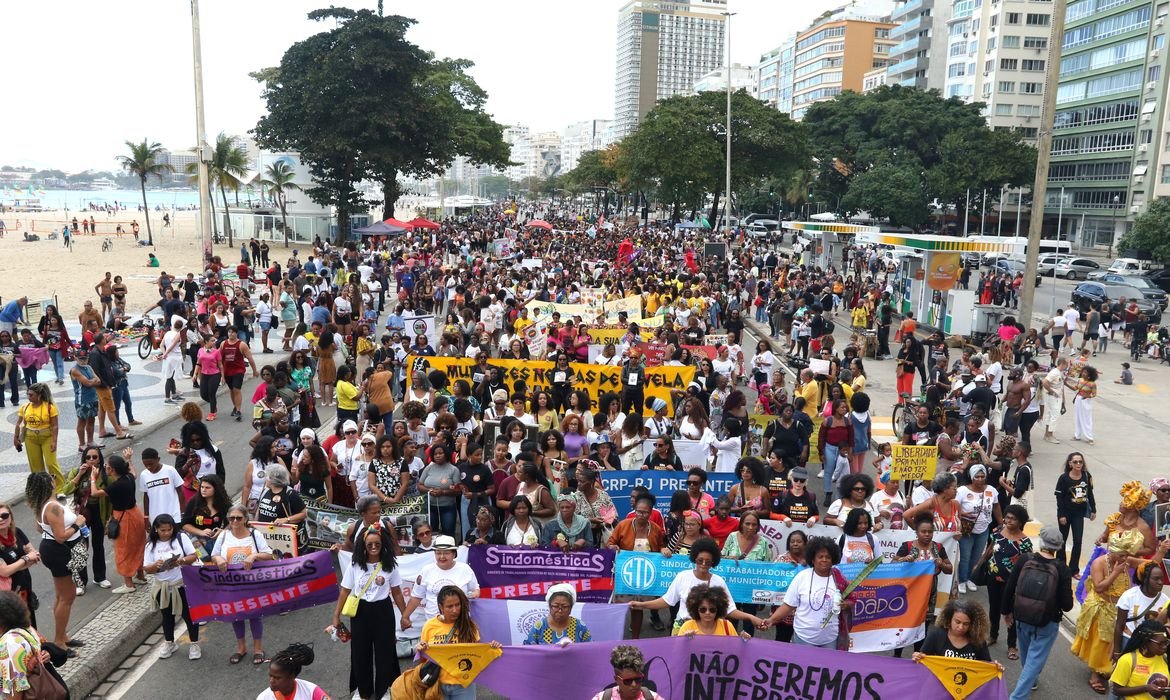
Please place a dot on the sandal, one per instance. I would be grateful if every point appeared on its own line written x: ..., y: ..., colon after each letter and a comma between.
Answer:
x: 1013, y: 654
x: 235, y: 658
x: 258, y: 658
x: 1096, y: 684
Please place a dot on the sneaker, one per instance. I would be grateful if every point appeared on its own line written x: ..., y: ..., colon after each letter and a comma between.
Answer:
x: 123, y: 589
x: 194, y: 652
x: 167, y: 649
x: 104, y: 583
x: 177, y: 398
x: 79, y: 591
x: 210, y: 416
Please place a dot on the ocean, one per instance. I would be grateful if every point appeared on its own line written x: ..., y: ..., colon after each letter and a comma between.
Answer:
x: 78, y: 200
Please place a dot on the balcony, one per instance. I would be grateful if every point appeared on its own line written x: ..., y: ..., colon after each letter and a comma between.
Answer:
x: 906, y: 9
x: 906, y: 46
x: 905, y: 27
x: 908, y: 66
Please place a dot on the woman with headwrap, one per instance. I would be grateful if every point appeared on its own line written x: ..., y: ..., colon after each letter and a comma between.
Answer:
x: 569, y: 531
x: 560, y: 627
x: 1108, y: 580
x: 978, y: 508
x: 1128, y: 518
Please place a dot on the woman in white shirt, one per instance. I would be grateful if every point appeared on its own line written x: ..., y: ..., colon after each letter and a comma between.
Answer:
x: 372, y: 576
x: 166, y: 551
x: 728, y: 450
x: 263, y: 455
x: 813, y: 599
x: 283, y: 683
x: 240, y: 545
x: 978, y: 504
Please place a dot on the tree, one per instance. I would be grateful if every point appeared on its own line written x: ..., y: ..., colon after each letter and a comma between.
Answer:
x: 278, y: 178
x: 495, y: 185
x: 228, y: 162
x: 889, y: 191
x: 1150, y: 235
x: 143, y: 161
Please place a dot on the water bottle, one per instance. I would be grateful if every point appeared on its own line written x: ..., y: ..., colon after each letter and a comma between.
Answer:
x: 84, y: 530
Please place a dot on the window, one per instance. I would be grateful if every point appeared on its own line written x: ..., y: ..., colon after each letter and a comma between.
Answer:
x: 1031, y: 88
x: 1007, y: 86
x: 1008, y: 64
x: 1154, y: 72
x: 1145, y: 136
x: 957, y: 70
x: 1166, y: 174
x: 1125, y: 110
x: 1028, y: 110
x: 1035, y: 42
x: 991, y: 45
x: 1032, y: 65
x: 1158, y: 42
x: 994, y: 21
x: 1002, y: 110
x: 1012, y: 18
x: 1037, y: 20
x: 1011, y: 42
x: 988, y: 65
x: 1149, y: 106
x: 1029, y: 132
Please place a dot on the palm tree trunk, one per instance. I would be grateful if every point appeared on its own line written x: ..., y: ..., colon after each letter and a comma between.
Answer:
x: 227, y: 221
x: 146, y: 210
x: 283, y: 215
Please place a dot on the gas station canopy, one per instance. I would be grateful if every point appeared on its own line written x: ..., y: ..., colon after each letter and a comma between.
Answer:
x: 932, y: 244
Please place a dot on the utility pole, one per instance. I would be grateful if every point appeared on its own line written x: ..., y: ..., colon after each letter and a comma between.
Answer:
x: 727, y: 189
x: 202, y: 151
x: 1043, y: 152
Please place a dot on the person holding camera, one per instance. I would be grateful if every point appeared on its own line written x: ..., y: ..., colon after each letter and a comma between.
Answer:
x: 167, y: 550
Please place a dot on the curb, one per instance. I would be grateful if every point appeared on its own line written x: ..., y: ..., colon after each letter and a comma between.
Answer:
x: 113, y: 633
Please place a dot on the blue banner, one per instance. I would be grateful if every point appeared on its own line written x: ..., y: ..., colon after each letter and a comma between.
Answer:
x: 648, y: 573
x: 662, y: 484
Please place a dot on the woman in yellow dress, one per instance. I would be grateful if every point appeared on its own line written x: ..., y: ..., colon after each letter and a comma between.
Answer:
x: 1108, y: 579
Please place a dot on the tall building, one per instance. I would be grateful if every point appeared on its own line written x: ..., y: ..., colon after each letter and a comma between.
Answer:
x: 835, y: 53
x: 774, y: 76
x: 663, y: 48
x: 1109, y: 157
x: 581, y: 137
x: 742, y: 78
x: 874, y: 79
x: 921, y: 32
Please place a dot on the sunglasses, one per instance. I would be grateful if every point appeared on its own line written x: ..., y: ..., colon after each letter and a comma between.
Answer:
x: 694, y: 483
x: 232, y: 518
x: 424, y: 533
x: 92, y: 457
x: 351, y: 432
x: 706, y: 609
x: 858, y: 488
x: 5, y: 516
x: 632, y: 680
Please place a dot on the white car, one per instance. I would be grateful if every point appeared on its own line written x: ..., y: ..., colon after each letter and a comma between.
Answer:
x: 1048, y: 261
x: 1077, y: 268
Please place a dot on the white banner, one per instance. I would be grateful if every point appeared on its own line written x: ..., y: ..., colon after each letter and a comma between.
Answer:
x: 422, y: 325
x: 692, y: 453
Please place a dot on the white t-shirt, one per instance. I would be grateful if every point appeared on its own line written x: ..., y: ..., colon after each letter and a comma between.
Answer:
x: 517, y: 537
x: 1071, y: 318
x: 359, y: 474
x: 815, y: 598
x: 345, y: 456
x: 259, y: 477
x: 236, y: 549
x: 1133, y: 603
x: 263, y: 311
x: 895, y: 504
x: 160, y: 488
x: 971, y: 505
x: 859, y: 550
x: 723, y: 367
x: 357, y: 577
x: 681, y: 587
x: 432, y: 579
x: 161, y: 551
x: 305, y: 691
x: 920, y: 494
x: 1059, y: 324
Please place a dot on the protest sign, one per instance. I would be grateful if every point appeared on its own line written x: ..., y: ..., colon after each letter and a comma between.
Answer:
x: 268, y: 588
x: 532, y: 263
x: 707, y: 351
x: 421, y: 325
x: 913, y: 462
x: 1162, y: 520
x: 522, y: 573
x: 614, y: 334
x: 538, y: 374
x: 889, y: 606
x: 655, y: 353
x: 710, y: 339
x: 327, y: 524
x: 661, y: 483
x: 463, y: 661
x: 567, y: 311
x: 536, y: 338
x: 282, y: 538
x: 727, y: 667
x: 650, y: 573
x: 500, y: 248
x: 510, y: 621
x: 757, y: 424
x: 632, y: 305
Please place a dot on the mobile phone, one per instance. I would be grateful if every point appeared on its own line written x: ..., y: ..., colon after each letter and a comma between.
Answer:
x: 175, y: 443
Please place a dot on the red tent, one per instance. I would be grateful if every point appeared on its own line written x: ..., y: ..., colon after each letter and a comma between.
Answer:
x: 540, y: 223
x: 423, y: 223
x: 395, y: 222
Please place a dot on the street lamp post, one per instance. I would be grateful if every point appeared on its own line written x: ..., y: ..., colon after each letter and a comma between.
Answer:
x: 727, y: 188
x: 203, y: 155
x: 1113, y: 233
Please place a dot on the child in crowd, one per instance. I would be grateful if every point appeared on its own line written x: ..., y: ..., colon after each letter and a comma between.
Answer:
x: 1126, y: 375
x: 885, y: 459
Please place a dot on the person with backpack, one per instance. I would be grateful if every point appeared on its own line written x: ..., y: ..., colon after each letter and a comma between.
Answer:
x: 1038, y: 593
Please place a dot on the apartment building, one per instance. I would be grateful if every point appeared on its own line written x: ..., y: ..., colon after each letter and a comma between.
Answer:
x: 921, y: 32
x: 834, y: 54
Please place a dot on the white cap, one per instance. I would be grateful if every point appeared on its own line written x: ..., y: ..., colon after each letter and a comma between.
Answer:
x: 348, y: 426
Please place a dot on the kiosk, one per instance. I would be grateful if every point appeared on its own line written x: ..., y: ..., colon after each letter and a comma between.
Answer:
x: 828, y: 240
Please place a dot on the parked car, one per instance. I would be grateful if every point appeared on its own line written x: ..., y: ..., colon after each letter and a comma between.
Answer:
x: 1048, y: 261
x: 1159, y: 278
x: 989, y: 259
x: 1011, y: 267
x: 1148, y: 289
x: 1092, y: 293
x: 759, y: 230
x: 1076, y: 268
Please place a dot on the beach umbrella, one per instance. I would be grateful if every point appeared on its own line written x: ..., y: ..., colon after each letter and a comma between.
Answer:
x: 540, y: 223
x: 420, y: 222
x: 509, y: 211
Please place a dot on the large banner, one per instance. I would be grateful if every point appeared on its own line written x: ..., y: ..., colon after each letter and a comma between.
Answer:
x: 889, y: 605
x: 327, y: 523
x: 268, y: 588
x: 662, y: 484
x: 724, y: 668
x: 510, y: 621
x: 522, y: 573
x: 594, y: 379
x: 651, y: 573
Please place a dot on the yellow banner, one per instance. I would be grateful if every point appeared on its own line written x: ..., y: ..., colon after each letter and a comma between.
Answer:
x: 538, y: 374
x: 960, y: 677
x: 652, y: 322
x: 614, y: 335
x: 463, y: 661
x: 632, y: 305
x: 913, y: 462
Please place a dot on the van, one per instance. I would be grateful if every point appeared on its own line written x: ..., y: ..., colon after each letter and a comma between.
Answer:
x: 1126, y: 266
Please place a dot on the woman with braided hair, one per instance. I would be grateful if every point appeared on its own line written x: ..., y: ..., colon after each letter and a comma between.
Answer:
x: 283, y: 683
x: 1141, y: 669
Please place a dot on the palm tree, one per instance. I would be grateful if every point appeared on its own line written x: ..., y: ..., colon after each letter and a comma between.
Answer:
x: 228, y: 162
x: 278, y: 178
x: 143, y: 161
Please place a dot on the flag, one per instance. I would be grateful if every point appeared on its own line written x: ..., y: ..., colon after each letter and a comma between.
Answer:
x: 510, y: 621
x: 463, y: 661
x: 961, y: 677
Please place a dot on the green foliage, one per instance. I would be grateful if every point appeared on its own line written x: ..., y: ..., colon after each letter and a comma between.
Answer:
x: 678, y: 150
x: 278, y: 178
x: 1150, y: 232
x: 142, y: 161
x: 945, y: 142
x: 594, y: 169
x: 495, y: 185
x: 360, y: 101
x: 890, y: 191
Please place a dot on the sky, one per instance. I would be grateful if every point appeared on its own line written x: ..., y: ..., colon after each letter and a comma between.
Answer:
x: 98, y: 74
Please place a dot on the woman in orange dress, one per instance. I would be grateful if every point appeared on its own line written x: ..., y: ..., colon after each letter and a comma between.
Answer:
x: 130, y: 545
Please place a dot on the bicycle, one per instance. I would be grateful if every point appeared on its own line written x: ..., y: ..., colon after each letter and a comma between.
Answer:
x: 151, y: 340
x: 905, y: 412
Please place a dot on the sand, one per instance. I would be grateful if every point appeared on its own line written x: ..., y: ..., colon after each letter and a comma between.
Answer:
x: 45, y: 269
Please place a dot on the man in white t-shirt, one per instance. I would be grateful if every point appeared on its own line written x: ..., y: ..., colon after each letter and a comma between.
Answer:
x: 161, y: 488
x: 1072, y: 317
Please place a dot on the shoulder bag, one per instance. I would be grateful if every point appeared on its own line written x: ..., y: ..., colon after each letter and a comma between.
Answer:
x: 351, y: 602
x: 42, y: 683
x: 114, y: 526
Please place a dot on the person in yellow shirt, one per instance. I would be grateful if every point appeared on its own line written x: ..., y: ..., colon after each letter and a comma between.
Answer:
x: 653, y: 300
x: 860, y: 316
x: 39, y: 418
x: 707, y: 605
x: 347, y: 395
x: 1141, y: 670
x: 453, y: 625
x: 522, y: 321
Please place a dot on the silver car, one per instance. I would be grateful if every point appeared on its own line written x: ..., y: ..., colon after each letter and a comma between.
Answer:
x: 1076, y: 268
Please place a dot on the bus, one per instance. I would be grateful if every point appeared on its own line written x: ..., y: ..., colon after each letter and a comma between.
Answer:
x: 1019, y: 245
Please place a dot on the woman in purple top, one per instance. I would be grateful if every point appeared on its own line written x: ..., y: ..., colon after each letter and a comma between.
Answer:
x: 576, y: 440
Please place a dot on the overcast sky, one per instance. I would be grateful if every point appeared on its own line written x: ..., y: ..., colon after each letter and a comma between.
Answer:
x: 83, y: 77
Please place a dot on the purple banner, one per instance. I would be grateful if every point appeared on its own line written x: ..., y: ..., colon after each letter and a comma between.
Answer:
x: 268, y: 588
x: 725, y: 668
x: 523, y: 573
x: 510, y: 621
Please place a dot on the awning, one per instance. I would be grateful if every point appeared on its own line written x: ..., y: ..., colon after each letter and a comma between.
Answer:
x: 380, y: 228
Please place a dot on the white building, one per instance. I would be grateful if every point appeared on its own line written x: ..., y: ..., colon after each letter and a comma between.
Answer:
x: 581, y: 137
x: 742, y: 77
x: 663, y: 48
x: 773, y: 76
x: 921, y: 33
x: 874, y: 79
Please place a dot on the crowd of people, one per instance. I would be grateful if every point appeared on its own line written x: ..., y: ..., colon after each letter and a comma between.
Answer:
x: 508, y: 462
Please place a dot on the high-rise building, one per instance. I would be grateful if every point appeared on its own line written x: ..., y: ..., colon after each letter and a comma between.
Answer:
x: 663, y: 48
x: 921, y: 32
x: 1109, y: 150
x: 582, y: 137
x: 836, y: 52
x: 774, y: 76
